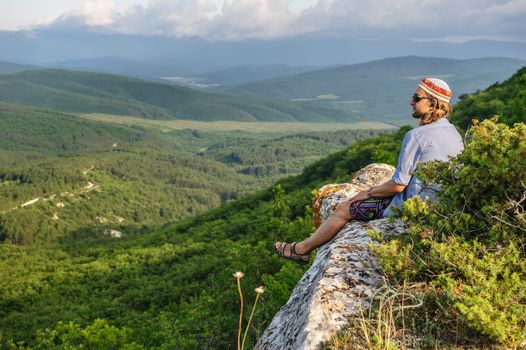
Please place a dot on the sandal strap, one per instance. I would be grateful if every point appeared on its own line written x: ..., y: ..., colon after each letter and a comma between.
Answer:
x: 299, y: 258
x: 293, y: 249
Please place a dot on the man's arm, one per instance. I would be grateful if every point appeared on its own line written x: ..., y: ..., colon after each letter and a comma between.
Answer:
x: 387, y: 189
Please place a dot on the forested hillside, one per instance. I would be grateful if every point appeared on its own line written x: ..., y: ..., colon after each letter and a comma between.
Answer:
x: 288, y: 154
x: 86, y: 92
x: 62, y: 176
x: 508, y: 100
x: 33, y: 132
x: 173, y: 287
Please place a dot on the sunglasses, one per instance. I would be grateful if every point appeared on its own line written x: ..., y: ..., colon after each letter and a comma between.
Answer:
x: 418, y: 98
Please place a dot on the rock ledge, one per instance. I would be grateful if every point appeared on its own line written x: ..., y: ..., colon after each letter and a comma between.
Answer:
x: 342, y: 279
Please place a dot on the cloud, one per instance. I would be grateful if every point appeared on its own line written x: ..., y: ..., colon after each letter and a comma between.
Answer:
x: 420, y: 18
x: 236, y: 19
x: 179, y: 18
x: 98, y: 12
x: 264, y: 19
x: 253, y: 19
x: 91, y: 13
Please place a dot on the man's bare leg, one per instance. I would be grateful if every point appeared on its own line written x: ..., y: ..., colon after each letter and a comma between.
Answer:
x: 326, y: 231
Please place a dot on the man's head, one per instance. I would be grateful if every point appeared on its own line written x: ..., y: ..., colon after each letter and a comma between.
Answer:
x: 431, y: 100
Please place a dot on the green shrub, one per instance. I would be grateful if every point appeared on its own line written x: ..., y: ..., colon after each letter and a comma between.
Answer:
x: 97, y: 336
x: 470, y: 244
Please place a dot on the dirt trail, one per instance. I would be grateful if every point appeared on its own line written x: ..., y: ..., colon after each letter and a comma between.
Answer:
x: 89, y: 187
x: 31, y: 202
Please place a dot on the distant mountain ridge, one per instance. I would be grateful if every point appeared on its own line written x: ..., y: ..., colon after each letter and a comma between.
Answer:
x: 169, y: 73
x: 86, y: 92
x: 377, y: 90
x: 241, y: 74
x: 49, y: 45
x: 120, y: 66
x: 381, y: 89
x: 10, y: 67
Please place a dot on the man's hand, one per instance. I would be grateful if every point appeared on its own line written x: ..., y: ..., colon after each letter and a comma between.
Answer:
x: 387, y: 189
x: 360, y: 196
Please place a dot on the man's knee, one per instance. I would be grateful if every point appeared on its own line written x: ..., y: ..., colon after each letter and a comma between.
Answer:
x: 342, y: 210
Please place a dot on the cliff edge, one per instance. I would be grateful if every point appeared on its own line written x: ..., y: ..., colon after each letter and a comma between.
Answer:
x: 342, y: 279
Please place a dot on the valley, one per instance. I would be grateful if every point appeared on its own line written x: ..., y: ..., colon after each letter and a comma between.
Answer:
x: 255, y: 127
x: 143, y: 172
x: 126, y: 205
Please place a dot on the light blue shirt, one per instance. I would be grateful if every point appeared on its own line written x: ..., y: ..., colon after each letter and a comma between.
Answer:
x: 436, y: 141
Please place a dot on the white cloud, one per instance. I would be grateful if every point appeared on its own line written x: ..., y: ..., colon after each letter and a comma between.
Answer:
x: 98, y: 12
x: 180, y: 18
x: 420, y: 18
x: 242, y: 19
x: 236, y: 19
x: 248, y: 19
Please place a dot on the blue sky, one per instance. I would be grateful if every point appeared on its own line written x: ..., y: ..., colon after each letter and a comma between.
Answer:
x: 448, y: 20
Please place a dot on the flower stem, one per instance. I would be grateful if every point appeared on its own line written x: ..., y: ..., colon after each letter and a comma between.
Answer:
x: 240, y: 315
x: 249, y: 320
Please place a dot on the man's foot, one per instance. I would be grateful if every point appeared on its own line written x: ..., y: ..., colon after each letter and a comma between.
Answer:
x: 288, y: 251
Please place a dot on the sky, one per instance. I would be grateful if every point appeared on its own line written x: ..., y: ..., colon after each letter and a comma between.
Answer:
x: 448, y: 20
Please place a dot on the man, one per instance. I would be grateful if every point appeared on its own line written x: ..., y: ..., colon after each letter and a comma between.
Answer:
x: 434, y: 139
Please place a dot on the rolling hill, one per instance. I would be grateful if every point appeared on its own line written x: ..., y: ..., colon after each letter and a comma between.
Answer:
x: 173, y: 288
x: 86, y: 92
x: 381, y: 89
x: 9, y: 67
x: 121, y: 66
x: 508, y: 100
x: 288, y: 154
x: 182, y: 76
x: 61, y: 174
x: 238, y: 75
x: 41, y: 132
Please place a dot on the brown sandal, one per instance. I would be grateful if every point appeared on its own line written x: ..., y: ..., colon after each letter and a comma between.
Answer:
x: 301, y: 259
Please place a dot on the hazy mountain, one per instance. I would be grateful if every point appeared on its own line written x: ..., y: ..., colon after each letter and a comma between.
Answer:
x: 180, y: 75
x: 9, y: 67
x: 381, y: 89
x: 86, y: 92
x: 242, y: 74
x: 49, y: 45
x: 122, y: 66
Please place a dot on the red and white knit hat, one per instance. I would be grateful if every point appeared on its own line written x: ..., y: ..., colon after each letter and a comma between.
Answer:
x: 436, y: 88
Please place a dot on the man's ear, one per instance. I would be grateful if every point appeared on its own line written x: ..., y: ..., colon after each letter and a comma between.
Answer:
x: 433, y: 103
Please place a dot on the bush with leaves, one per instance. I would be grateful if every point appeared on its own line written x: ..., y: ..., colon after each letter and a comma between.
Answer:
x: 469, y: 246
x: 100, y: 335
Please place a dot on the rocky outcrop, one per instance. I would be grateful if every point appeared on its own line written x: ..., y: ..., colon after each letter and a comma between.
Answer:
x: 113, y: 233
x: 342, y: 279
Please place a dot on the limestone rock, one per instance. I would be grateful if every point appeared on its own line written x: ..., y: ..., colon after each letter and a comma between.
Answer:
x: 113, y: 233
x: 342, y: 279
x: 372, y: 175
x: 328, y: 197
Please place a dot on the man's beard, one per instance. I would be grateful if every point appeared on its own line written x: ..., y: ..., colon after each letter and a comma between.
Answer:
x: 416, y: 115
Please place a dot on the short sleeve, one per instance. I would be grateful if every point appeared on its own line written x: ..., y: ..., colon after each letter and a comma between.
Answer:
x: 407, y: 160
